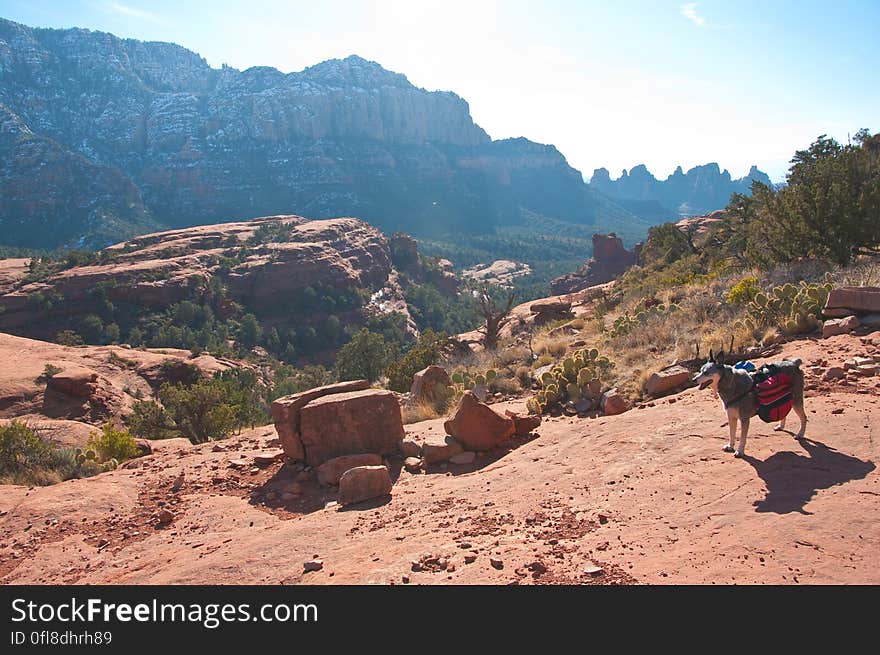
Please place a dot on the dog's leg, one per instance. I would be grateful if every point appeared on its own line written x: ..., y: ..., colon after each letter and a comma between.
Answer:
x: 744, y: 431
x: 731, y: 421
x: 802, y: 415
x: 781, y: 425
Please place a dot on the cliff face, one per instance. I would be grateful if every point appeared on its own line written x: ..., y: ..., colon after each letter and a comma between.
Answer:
x: 701, y: 190
x: 168, y: 140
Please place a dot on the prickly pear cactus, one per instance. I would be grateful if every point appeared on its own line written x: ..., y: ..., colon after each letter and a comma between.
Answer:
x: 478, y: 383
x: 575, y: 383
x: 626, y: 322
x: 795, y: 309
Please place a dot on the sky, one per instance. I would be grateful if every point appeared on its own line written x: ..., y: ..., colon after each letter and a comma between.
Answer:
x: 610, y: 84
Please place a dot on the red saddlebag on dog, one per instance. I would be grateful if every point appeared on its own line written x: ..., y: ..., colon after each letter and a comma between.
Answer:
x: 774, y: 393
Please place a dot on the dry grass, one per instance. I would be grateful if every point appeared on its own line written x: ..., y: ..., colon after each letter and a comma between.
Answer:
x: 554, y: 346
x: 509, y: 386
x: 422, y: 411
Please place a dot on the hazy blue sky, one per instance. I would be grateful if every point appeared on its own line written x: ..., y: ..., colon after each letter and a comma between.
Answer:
x: 611, y: 83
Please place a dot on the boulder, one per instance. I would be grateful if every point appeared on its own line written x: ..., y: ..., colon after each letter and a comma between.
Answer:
x: 427, y: 385
x: 330, y: 471
x: 439, y: 448
x: 669, y: 379
x: 613, y: 403
x: 79, y: 382
x: 523, y: 425
x: 477, y: 426
x: 285, y: 413
x: 835, y: 326
x: 367, y: 421
x: 858, y: 299
x: 363, y: 483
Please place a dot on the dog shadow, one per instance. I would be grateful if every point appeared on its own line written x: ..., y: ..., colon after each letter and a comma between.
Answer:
x: 793, y: 479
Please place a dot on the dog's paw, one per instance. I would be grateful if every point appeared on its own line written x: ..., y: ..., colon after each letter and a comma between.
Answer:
x: 727, y: 448
x: 739, y: 453
x: 778, y: 428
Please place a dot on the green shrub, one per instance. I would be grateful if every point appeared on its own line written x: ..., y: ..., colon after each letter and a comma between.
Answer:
x: 364, y: 357
x: 22, y: 450
x: 68, y: 338
x: 744, y: 291
x: 149, y: 420
x: 49, y: 370
x: 113, y: 444
x: 424, y: 353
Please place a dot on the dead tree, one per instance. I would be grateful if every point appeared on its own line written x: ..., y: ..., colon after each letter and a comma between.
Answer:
x: 496, y: 317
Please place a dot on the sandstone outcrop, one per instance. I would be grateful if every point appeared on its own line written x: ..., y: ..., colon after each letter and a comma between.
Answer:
x: 610, y: 260
x: 342, y: 419
x: 286, y: 413
x: 846, y: 301
x: 89, y: 384
x: 262, y: 262
x: 478, y: 427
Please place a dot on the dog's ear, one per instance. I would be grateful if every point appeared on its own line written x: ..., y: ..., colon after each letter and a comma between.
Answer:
x: 711, y: 356
x: 719, y: 357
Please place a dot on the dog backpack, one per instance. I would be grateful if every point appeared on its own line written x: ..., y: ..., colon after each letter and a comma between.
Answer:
x: 773, y: 390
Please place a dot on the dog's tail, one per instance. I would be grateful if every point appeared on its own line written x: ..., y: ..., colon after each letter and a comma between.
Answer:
x: 797, y: 361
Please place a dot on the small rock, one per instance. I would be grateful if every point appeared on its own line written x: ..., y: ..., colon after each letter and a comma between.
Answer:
x: 268, y: 457
x: 470, y: 558
x: 593, y: 570
x: 835, y: 326
x: 178, y: 482
x: 405, y: 579
x: 833, y: 373
x: 410, y: 448
x: 467, y: 457
x: 496, y: 563
x: 164, y: 516
x: 839, y: 410
x: 313, y: 565
x: 412, y: 464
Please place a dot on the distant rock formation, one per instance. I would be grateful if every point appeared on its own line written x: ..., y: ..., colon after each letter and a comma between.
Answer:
x: 698, y: 227
x: 264, y: 264
x: 104, y: 138
x: 699, y: 191
x: 610, y: 259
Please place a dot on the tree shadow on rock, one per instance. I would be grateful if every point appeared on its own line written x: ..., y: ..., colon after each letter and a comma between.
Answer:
x: 793, y: 479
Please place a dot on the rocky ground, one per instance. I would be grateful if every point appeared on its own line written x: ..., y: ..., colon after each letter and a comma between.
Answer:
x: 644, y: 497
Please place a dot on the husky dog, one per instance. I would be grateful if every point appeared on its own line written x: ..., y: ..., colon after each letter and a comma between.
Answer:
x: 737, y: 391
